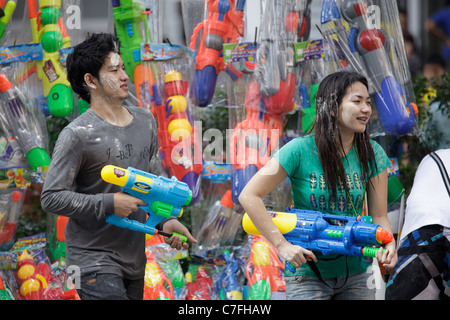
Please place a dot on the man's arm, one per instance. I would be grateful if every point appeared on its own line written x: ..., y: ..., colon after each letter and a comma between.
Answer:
x: 57, y: 196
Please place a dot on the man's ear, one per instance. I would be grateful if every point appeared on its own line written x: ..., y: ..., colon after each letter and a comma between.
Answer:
x: 90, y: 81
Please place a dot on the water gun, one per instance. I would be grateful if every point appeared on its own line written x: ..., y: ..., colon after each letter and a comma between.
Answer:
x: 264, y: 270
x: 57, y: 239
x: 7, y: 8
x: 268, y: 98
x: 5, y: 293
x: 298, y: 21
x: 369, y: 48
x: 164, y: 197
x: 8, y: 219
x: 17, y: 122
x: 198, y: 288
x: 131, y: 26
x: 36, y: 282
x: 317, y: 231
x: 227, y: 284
x: 178, y: 141
x: 223, y: 24
x: 157, y: 285
x: 251, y: 145
x: 48, y: 29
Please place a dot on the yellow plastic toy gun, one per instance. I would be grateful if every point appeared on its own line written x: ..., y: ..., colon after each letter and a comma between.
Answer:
x: 164, y: 197
x: 48, y: 29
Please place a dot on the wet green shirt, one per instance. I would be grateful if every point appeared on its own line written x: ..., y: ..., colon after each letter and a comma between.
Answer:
x: 300, y: 159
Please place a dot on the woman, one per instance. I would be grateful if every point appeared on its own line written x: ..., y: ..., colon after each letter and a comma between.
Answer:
x: 330, y: 171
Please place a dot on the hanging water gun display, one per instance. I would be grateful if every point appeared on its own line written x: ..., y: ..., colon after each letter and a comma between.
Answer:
x: 157, y: 285
x: 370, y: 48
x: 264, y: 271
x: 7, y: 8
x: 326, y: 233
x: 47, y: 28
x: 224, y: 23
x: 131, y: 26
x: 178, y: 138
x: 269, y: 96
x: 21, y: 127
x: 163, y: 197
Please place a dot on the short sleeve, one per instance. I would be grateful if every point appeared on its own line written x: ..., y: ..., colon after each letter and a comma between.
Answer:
x: 381, y: 159
x: 289, y: 156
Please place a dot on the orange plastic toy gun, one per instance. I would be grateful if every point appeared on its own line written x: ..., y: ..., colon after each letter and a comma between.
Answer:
x: 177, y: 136
x: 224, y: 24
x: 157, y: 285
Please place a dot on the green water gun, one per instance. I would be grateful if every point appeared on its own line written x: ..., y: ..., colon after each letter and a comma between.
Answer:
x: 130, y: 17
x: 5, y: 14
x: 48, y: 29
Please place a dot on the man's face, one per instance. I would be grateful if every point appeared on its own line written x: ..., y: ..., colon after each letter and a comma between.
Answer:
x: 113, y: 80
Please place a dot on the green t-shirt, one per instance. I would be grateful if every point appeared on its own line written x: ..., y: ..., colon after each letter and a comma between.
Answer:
x: 300, y: 159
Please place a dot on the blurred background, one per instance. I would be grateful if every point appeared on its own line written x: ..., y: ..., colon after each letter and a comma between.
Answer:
x: 96, y: 16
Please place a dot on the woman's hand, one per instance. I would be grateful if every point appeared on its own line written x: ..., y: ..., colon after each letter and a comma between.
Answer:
x: 389, y: 258
x: 294, y: 254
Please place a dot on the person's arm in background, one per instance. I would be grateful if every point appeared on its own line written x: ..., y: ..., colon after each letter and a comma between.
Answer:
x: 251, y: 199
x: 432, y: 26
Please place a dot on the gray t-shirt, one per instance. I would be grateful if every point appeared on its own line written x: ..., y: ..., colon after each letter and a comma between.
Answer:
x: 74, y: 188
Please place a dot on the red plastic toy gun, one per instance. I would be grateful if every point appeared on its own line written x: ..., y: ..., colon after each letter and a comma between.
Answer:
x: 177, y: 136
x: 224, y: 24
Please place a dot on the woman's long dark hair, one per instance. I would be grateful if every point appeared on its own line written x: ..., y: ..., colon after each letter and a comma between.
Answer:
x: 329, y: 96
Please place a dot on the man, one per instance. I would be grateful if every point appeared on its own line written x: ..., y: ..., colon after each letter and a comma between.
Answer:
x: 423, y: 268
x: 111, y: 259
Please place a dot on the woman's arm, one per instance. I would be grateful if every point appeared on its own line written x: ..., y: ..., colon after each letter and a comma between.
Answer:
x: 251, y: 199
x: 377, y: 205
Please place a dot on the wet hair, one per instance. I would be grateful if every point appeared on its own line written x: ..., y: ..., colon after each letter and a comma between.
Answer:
x: 330, y: 93
x: 89, y: 57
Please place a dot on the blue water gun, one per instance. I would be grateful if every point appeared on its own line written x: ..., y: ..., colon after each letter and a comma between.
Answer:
x: 369, y: 49
x: 327, y: 233
x: 164, y: 197
x: 228, y: 285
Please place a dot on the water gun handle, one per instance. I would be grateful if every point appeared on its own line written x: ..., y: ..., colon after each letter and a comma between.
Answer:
x: 366, y: 252
x: 137, y: 226
x: 290, y: 267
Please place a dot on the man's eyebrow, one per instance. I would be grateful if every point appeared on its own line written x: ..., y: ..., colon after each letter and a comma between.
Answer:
x: 360, y: 97
x: 112, y: 66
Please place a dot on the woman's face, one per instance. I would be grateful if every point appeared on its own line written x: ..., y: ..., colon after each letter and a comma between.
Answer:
x: 355, y: 109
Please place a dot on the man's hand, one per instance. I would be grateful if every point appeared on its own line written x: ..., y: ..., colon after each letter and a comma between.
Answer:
x: 174, y: 225
x: 124, y: 204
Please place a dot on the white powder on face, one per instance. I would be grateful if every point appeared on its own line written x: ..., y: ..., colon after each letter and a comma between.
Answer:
x: 115, y: 59
x: 113, y: 83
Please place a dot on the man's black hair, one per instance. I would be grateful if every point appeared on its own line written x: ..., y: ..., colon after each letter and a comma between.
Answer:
x: 89, y: 57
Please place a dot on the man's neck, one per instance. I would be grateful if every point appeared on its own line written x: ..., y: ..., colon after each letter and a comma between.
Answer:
x: 112, y: 112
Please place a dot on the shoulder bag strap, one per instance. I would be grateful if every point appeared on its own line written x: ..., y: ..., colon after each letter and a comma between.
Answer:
x: 442, y: 169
